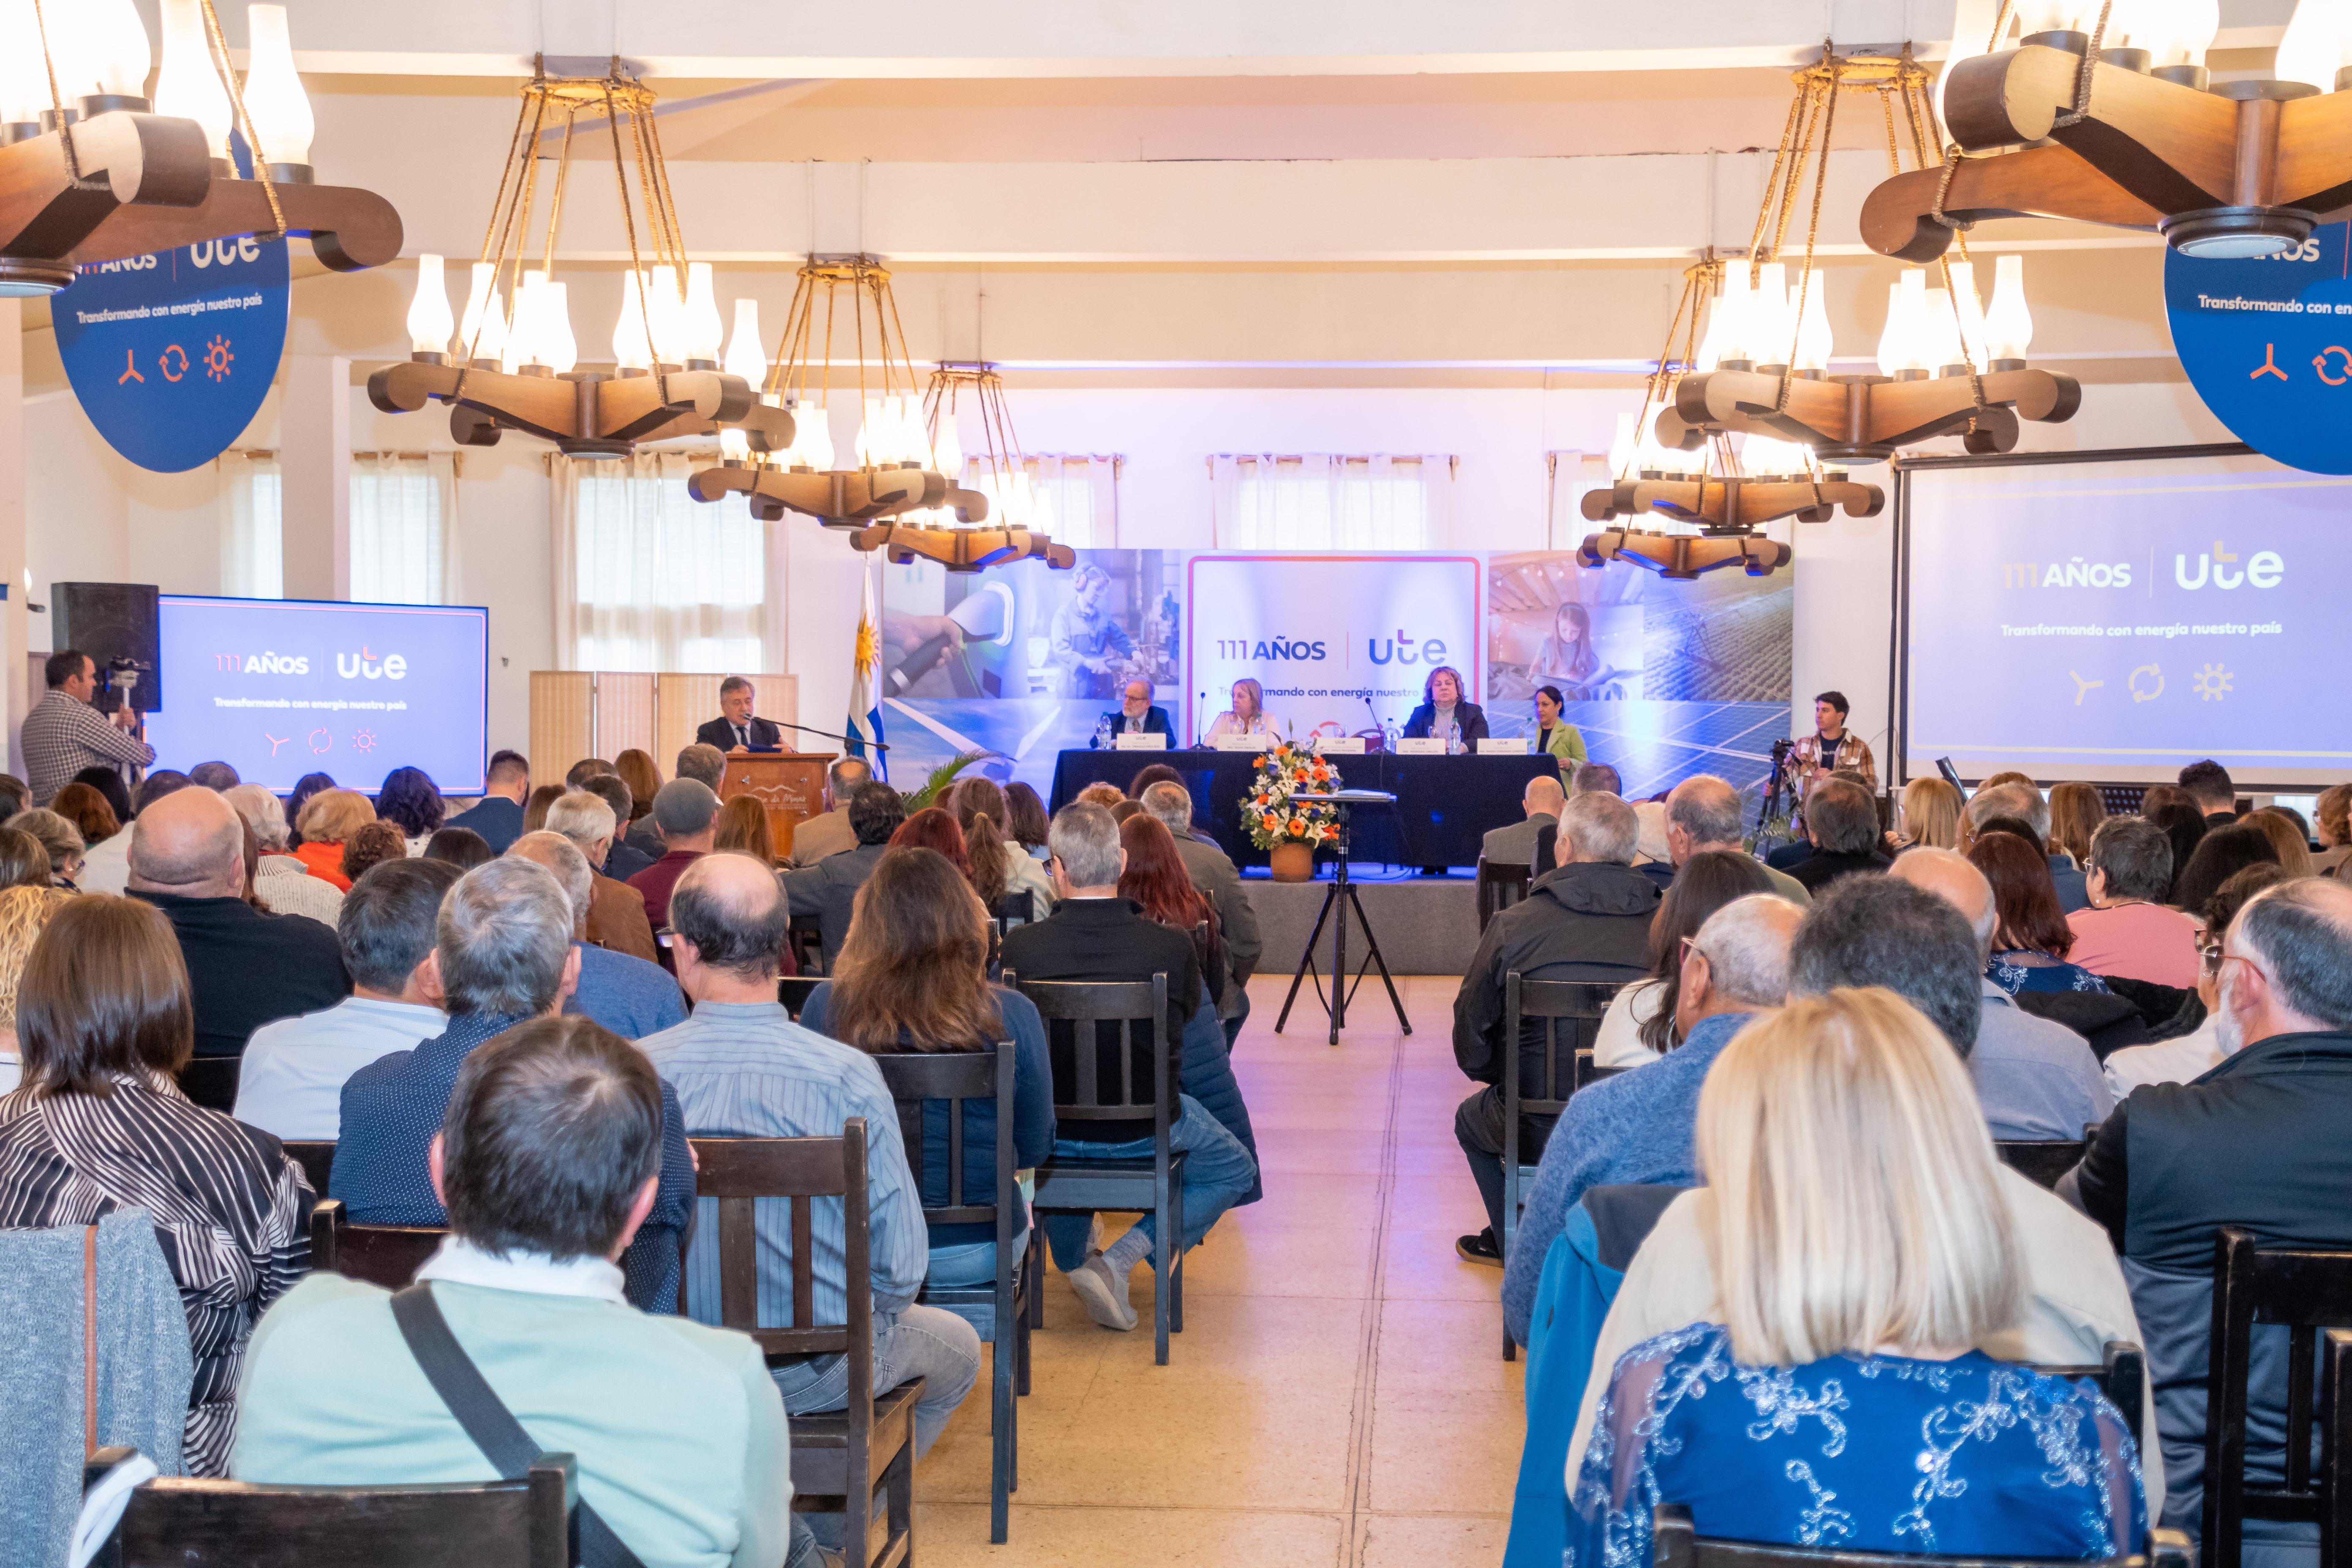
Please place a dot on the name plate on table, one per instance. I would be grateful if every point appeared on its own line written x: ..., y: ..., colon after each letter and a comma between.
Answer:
x: 1137, y: 741
x: 1257, y: 742
x: 1421, y: 746
x: 1511, y: 746
x: 1341, y: 746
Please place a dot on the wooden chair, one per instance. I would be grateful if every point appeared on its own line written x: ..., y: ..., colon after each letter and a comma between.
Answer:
x: 176, y: 1523
x: 1578, y: 1004
x: 1677, y: 1544
x: 211, y: 1082
x: 2042, y: 1162
x: 386, y: 1255
x: 2308, y: 1293
x: 794, y: 990
x: 1499, y: 886
x: 1083, y: 1187
x: 317, y: 1159
x: 1017, y: 908
x: 916, y: 1080
x: 804, y: 940
x: 2122, y: 1377
x: 870, y: 1445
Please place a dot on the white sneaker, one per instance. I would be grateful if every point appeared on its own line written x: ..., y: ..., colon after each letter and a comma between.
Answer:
x: 1104, y: 1298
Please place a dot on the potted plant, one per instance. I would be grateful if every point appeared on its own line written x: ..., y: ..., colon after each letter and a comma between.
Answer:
x: 1288, y: 830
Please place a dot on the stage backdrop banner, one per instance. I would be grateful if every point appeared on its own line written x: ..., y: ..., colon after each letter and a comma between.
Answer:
x: 1333, y: 639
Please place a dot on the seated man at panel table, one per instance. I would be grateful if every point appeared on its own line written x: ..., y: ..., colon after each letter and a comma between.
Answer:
x: 632, y: 997
x: 737, y: 728
x: 617, y: 911
x: 828, y: 889
x: 548, y: 1157
x: 1514, y: 843
x: 1640, y: 1126
x: 1705, y: 812
x: 1139, y: 715
x: 1588, y: 920
x: 2262, y: 1141
x: 829, y: 833
x: 291, y: 1079
x: 497, y: 815
x: 2026, y: 804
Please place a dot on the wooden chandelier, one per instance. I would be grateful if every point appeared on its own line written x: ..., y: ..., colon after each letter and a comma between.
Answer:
x: 1683, y: 556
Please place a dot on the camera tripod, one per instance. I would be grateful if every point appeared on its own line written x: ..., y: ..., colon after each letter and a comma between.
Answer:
x: 1340, y: 896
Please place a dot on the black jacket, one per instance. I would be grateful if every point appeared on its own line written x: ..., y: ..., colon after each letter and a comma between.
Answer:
x: 1588, y: 920
x: 718, y: 732
x: 1155, y: 721
x: 247, y: 968
x: 1820, y: 868
x: 828, y: 890
x: 1468, y: 715
x: 1106, y: 939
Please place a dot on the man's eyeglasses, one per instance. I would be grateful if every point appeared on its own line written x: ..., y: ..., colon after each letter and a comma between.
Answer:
x: 2211, y: 954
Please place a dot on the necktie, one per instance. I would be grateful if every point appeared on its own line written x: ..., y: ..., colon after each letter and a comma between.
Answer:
x: 743, y: 736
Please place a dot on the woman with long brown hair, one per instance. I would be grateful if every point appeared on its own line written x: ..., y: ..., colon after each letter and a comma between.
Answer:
x: 2031, y: 940
x: 911, y: 977
x: 1155, y: 878
x: 742, y: 827
x: 999, y: 868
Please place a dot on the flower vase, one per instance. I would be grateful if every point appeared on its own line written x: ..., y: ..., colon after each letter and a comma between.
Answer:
x: 1292, y: 862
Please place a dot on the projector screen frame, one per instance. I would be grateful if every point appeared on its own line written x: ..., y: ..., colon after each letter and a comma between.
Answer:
x: 1898, y: 653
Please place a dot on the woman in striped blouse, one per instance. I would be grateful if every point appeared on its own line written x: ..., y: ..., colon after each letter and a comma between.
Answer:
x: 103, y: 1021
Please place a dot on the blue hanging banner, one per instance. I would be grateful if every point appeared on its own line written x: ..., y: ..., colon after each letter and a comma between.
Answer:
x: 171, y: 354
x: 2267, y: 343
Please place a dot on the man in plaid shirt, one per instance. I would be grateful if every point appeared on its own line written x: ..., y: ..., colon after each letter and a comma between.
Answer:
x: 1814, y: 757
x: 64, y: 734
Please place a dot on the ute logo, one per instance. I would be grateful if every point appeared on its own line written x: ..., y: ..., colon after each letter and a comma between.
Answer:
x: 263, y: 663
x: 364, y: 664
x: 1402, y: 649
x: 2263, y: 571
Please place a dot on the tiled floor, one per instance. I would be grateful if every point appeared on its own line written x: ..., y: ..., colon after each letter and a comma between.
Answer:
x: 1338, y: 1395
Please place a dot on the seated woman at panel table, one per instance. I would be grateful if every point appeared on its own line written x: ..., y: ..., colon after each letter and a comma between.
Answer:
x: 1248, y: 716
x: 1444, y: 712
x: 1861, y: 1247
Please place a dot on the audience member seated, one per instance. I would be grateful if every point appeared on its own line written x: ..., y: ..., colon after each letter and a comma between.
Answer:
x: 535, y: 809
x: 1026, y: 822
x: 742, y: 827
x: 2185, y: 1056
x: 2333, y: 828
x: 617, y: 911
x: 1588, y: 920
x: 1636, y: 1127
x: 219, y: 778
x: 503, y: 948
x: 829, y: 832
x: 676, y: 1428
x: 1106, y: 795
x: 2219, y: 854
x: 248, y: 968
x: 373, y: 846
x: 934, y: 827
x: 328, y: 821
x: 280, y: 879
x: 976, y: 797
x: 2030, y: 936
x: 1706, y: 813
x: 459, y: 847
x: 410, y: 802
x: 107, y: 782
x: 2076, y: 810
x: 584, y: 770
x: 1841, y: 821
x: 828, y: 889
x: 2185, y: 826
x: 1863, y: 1248
x: 497, y: 815
x: 1930, y: 816
x: 305, y: 787
x: 291, y: 1079
x: 2285, y: 831
x: 88, y: 811
x: 24, y: 914
x: 103, y: 1022
x: 2127, y: 930
x: 1217, y: 878
x: 1640, y: 1024
x: 1595, y: 778
x: 913, y: 978
x: 1153, y: 878
x: 635, y: 767
x: 632, y: 997
x: 24, y: 863
x: 1514, y: 843
x: 2210, y: 787
x: 2037, y: 1079
x: 1653, y: 854
x: 1095, y: 936
x: 2014, y: 796
x: 61, y: 840
x: 623, y: 859
x: 685, y: 814
x: 2262, y: 1140
x: 743, y: 1068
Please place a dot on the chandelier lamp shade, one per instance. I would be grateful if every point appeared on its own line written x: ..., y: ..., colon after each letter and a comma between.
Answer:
x: 92, y: 170
x: 2105, y: 113
x: 510, y: 359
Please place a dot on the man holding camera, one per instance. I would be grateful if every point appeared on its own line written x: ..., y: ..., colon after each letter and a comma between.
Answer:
x: 64, y: 734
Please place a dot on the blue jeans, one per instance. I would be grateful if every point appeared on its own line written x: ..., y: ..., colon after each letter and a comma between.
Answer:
x: 1217, y: 1172
x: 970, y: 1264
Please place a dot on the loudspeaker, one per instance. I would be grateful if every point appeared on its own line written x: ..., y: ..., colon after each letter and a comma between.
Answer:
x: 109, y: 621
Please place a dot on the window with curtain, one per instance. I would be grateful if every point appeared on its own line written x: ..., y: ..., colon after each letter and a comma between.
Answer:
x: 403, y: 506
x: 1325, y: 502
x: 659, y: 581
x: 253, y: 558
x: 1081, y: 497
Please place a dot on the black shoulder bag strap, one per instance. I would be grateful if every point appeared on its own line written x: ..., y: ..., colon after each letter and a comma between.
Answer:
x: 486, y: 1419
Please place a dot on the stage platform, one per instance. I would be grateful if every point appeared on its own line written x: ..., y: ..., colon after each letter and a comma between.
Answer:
x: 1426, y: 925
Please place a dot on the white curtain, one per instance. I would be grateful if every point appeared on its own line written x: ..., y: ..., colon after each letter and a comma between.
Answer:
x: 1081, y: 497
x: 1572, y: 474
x: 253, y: 557
x: 649, y: 578
x: 404, y: 519
x: 1325, y: 501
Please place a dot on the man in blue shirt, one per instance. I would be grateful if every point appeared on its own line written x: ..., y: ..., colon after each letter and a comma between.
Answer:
x: 502, y: 954
x: 1641, y: 1126
x: 628, y: 995
x: 497, y: 815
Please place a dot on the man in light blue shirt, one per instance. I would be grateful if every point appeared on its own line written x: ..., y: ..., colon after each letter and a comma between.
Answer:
x: 1642, y: 1125
x: 743, y: 1068
x: 291, y: 1081
x: 628, y: 995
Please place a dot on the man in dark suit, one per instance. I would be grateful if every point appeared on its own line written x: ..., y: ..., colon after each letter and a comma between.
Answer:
x: 497, y: 815
x: 736, y: 730
x: 2216, y: 793
x: 1137, y: 715
x: 828, y: 889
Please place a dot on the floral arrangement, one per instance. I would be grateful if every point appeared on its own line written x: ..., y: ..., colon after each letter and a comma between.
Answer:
x: 1268, y: 812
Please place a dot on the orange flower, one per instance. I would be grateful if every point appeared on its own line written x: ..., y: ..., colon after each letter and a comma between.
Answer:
x: 1298, y: 826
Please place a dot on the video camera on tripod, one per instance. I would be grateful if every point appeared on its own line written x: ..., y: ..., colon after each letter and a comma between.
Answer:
x: 1772, y: 791
x: 118, y: 685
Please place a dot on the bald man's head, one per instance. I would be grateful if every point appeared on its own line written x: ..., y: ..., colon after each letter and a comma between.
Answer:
x: 1950, y: 876
x: 1702, y: 813
x: 731, y: 909
x: 1544, y: 796
x: 192, y: 843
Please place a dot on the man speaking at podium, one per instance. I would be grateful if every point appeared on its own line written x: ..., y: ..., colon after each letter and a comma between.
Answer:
x: 736, y: 730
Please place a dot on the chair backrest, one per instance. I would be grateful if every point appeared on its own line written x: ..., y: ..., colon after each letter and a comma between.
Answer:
x: 1570, y: 1012
x: 1499, y: 886
x: 176, y: 1523
x: 795, y: 990
x: 211, y: 1082
x: 797, y: 1172
x: 2042, y: 1162
x: 1113, y: 1008
x: 317, y: 1159
x: 918, y: 1078
x: 1677, y: 1544
x: 2122, y: 1377
x: 386, y: 1255
x: 1018, y: 906
x: 2306, y: 1292
x: 804, y: 939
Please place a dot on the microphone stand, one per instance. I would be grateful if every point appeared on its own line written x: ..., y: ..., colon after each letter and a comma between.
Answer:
x: 829, y: 735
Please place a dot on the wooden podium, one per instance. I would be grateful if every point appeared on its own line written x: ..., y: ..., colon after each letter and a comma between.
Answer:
x: 791, y: 784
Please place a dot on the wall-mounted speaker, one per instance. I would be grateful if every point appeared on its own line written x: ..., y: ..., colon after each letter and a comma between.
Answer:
x: 111, y: 621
